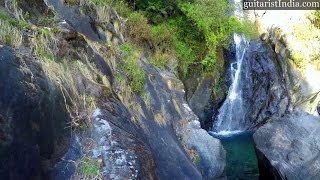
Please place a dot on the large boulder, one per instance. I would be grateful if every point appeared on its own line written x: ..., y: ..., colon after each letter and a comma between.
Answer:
x: 288, y: 147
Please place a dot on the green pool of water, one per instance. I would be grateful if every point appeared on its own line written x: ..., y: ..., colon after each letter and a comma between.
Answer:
x: 241, y: 158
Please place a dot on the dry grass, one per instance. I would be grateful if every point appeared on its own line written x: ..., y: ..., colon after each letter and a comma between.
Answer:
x: 12, y: 6
x: 102, y: 8
x: 138, y: 28
x: 45, y: 44
x: 68, y: 78
x: 160, y: 119
x: 10, y: 35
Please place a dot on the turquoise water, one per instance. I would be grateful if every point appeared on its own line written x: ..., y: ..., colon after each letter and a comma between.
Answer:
x: 241, y: 158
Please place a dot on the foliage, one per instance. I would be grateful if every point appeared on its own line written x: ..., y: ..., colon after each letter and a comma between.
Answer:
x: 48, y: 20
x: 44, y: 42
x: 197, y: 160
x: 193, y: 31
x: 157, y: 11
x: 139, y: 29
x: 89, y: 167
x: 317, y: 18
x: 134, y: 72
x: 160, y: 59
x: 163, y: 37
x: 13, y: 22
x: 186, y: 55
x: 217, y: 28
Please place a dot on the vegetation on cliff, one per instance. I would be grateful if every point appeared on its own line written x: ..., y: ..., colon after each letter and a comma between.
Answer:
x: 191, y: 31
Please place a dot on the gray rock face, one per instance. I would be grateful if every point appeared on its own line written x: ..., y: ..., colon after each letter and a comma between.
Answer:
x: 155, y: 138
x: 81, y: 23
x: 65, y: 168
x: 264, y: 92
x: 33, y: 119
x: 288, y: 147
x: 268, y: 92
x: 130, y: 135
x: 200, y: 100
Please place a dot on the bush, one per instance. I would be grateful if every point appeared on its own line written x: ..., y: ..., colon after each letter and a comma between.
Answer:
x: 186, y: 56
x: 135, y: 74
x: 217, y: 28
x: 138, y: 28
x: 163, y: 37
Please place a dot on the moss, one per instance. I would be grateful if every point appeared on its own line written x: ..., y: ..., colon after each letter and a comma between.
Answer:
x: 89, y: 167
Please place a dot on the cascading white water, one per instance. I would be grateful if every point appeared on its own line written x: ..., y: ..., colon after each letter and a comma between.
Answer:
x: 231, y: 115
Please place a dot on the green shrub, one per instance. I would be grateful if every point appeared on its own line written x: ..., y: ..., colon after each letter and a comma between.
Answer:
x: 48, y: 20
x: 13, y: 22
x: 135, y: 74
x: 298, y: 58
x: 138, y: 28
x: 191, y: 30
x: 217, y: 28
x: 157, y: 11
x: 186, y: 56
x: 71, y: 2
x: 163, y: 37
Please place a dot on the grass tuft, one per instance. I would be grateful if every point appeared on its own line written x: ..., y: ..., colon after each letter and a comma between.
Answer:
x: 89, y: 167
x: 135, y: 74
x: 10, y: 35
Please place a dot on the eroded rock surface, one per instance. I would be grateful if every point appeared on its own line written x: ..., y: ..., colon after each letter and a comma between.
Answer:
x: 265, y: 91
x: 288, y: 147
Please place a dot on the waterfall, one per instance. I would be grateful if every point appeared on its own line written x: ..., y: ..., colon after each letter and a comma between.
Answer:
x: 231, y: 116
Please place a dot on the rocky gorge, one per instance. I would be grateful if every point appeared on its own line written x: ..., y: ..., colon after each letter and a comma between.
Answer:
x: 78, y: 101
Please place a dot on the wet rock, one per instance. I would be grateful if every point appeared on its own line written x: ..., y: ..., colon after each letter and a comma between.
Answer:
x: 265, y: 91
x: 212, y: 154
x: 66, y: 168
x: 118, y: 163
x: 200, y: 101
x: 169, y: 96
x: 288, y: 147
x: 33, y: 118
